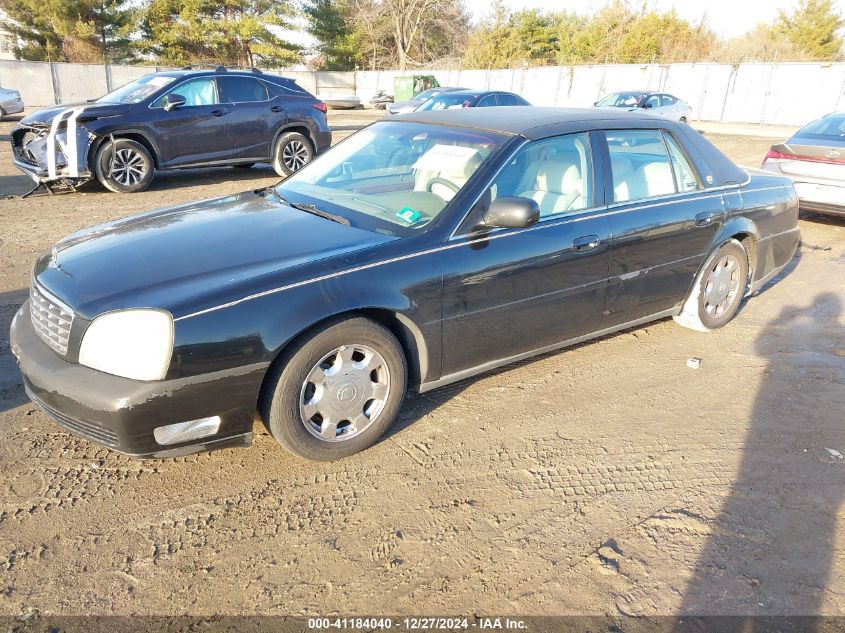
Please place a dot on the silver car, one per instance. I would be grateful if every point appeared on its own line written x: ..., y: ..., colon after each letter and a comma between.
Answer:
x: 657, y: 103
x: 10, y: 102
x: 814, y: 157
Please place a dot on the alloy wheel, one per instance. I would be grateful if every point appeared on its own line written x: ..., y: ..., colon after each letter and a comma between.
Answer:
x: 344, y: 393
x: 128, y: 167
x: 294, y: 155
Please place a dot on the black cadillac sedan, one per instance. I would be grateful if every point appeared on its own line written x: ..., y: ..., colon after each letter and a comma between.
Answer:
x: 420, y: 251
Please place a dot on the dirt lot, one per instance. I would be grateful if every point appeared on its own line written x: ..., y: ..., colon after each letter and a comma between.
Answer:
x: 607, y: 479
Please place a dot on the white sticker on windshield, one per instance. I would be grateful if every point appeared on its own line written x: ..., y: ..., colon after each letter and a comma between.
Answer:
x: 445, y: 158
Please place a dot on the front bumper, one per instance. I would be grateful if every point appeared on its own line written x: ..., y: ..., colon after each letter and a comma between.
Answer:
x: 120, y: 413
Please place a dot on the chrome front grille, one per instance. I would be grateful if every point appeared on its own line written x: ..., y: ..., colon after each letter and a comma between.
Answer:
x: 50, y: 318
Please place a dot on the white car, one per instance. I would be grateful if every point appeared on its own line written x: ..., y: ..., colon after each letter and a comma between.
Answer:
x: 657, y: 103
x: 10, y: 102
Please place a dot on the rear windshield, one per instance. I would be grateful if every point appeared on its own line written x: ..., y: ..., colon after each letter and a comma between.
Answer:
x: 829, y: 127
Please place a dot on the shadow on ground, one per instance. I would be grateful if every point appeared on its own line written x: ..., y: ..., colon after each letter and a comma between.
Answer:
x: 770, y: 524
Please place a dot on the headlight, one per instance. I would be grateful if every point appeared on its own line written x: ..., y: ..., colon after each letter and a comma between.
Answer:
x: 133, y: 344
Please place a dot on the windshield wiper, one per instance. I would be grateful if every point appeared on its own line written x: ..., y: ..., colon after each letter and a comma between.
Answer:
x: 301, y: 206
x: 310, y: 208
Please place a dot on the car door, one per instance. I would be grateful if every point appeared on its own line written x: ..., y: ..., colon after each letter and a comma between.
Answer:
x: 195, y: 132
x: 669, y: 107
x: 508, y: 292
x: 652, y: 105
x: 663, y: 223
x: 254, y: 117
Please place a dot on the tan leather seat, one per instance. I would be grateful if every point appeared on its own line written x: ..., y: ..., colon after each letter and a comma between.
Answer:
x: 558, y: 187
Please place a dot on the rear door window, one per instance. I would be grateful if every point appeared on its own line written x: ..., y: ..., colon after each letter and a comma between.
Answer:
x: 489, y: 100
x: 640, y: 164
x: 241, y: 90
x: 685, y: 177
x: 508, y: 100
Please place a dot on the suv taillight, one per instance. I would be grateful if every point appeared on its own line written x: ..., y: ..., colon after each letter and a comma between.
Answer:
x: 319, y: 105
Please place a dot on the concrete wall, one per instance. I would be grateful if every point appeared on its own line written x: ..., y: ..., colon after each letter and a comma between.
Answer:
x: 784, y: 94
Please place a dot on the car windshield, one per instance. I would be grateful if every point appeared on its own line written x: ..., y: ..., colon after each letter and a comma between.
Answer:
x: 621, y: 100
x: 392, y: 177
x: 830, y: 127
x: 138, y: 90
x: 449, y: 101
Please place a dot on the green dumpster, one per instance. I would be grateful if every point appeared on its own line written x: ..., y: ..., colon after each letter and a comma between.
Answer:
x: 406, y: 88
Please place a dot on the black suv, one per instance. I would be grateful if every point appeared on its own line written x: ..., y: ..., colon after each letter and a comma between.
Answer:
x: 170, y: 120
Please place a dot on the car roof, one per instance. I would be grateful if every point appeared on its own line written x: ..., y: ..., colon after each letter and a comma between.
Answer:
x: 469, y: 92
x: 519, y: 120
x: 209, y: 72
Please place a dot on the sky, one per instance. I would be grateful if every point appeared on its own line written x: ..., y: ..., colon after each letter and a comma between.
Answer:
x: 726, y: 18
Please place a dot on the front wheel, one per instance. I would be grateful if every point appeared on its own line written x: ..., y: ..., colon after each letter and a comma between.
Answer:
x: 718, y: 290
x: 124, y: 166
x: 291, y: 153
x: 336, y: 391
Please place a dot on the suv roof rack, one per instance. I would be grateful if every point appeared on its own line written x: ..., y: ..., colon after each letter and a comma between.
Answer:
x: 221, y: 68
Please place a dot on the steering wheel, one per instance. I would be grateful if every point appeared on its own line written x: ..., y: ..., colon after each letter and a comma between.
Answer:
x: 441, y: 181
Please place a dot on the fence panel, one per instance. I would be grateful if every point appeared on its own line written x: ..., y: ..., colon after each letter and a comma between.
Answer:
x: 32, y: 79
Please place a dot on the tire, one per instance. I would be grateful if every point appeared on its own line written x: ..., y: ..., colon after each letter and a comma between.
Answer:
x: 291, y: 152
x: 315, y: 384
x: 718, y: 289
x: 243, y: 165
x: 139, y: 170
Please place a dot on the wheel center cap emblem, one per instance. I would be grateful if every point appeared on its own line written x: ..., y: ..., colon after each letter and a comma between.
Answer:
x: 347, y: 393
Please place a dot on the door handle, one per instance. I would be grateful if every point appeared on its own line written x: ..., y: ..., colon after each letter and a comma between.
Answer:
x: 586, y: 243
x: 277, y: 108
x: 219, y: 112
x: 705, y: 219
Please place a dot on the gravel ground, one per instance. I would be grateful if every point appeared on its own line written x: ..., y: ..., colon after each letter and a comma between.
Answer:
x: 606, y: 479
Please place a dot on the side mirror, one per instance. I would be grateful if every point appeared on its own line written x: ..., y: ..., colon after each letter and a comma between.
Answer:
x: 511, y: 212
x: 595, y: 103
x: 173, y: 101
x: 646, y: 105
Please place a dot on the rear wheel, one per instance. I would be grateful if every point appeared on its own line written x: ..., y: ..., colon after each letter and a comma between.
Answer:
x: 718, y: 290
x: 291, y: 153
x: 124, y: 167
x: 336, y: 391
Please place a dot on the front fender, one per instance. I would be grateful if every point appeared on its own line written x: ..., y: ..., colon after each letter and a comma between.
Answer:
x: 403, y: 293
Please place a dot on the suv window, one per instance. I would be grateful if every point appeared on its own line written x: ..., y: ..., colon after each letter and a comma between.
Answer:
x: 557, y: 173
x: 197, y: 92
x: 241, y: 90
x: 640, y: 164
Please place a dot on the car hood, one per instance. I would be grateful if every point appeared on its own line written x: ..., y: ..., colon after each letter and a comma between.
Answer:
x: 173, y: 258
x: 91, y: 111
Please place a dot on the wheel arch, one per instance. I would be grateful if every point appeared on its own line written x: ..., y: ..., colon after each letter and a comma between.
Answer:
x: 294, y: 127
x: 132, y: 135
x: 746, y: 233
x: 408, y: 334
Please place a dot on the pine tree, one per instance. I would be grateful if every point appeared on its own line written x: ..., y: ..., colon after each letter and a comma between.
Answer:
x: 813, y: 29
x: 90, y: 31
